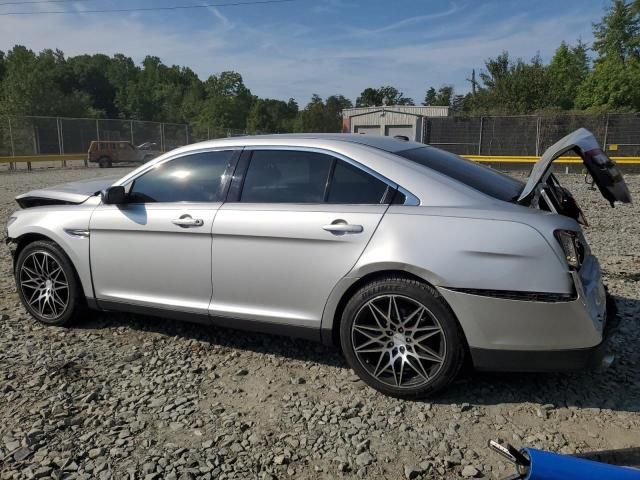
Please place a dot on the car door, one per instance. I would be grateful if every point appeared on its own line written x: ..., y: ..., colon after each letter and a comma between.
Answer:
x: 155, y: 250
x: 295, y: 222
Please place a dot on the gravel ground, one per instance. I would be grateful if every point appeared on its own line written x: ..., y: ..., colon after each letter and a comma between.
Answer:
x: 127, y: 396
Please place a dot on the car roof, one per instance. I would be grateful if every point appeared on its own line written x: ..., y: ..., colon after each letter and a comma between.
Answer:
x: 388, y: 144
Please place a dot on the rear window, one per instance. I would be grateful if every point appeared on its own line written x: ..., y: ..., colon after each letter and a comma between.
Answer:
x: 482, y: 178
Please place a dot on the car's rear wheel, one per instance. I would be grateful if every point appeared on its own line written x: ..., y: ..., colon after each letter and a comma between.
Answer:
x: 104, y: 162
x: 401, y: 338
x: 47, y: 284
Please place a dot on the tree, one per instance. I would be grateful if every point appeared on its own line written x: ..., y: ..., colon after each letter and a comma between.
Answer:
x: 88, y: 73
x: 568, y: 68
x: 618, y: 33
x: 320, y: 116
x: 375, y: 97
x: 511, y: 86
x: 227, y: 102
x: 461, y: 103
x: 2, y: 66
x: 614, y: 82
x: 430, y: 96
x: 272, y: 116
x: 334, y: 106
x: 35, y: 85
x: 442, y: 98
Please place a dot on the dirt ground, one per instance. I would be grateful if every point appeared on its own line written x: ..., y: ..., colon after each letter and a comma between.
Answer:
x: 128, y: 396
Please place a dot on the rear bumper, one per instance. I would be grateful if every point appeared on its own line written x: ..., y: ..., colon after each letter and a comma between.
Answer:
x: 550, y: 360
x: 507, y: 334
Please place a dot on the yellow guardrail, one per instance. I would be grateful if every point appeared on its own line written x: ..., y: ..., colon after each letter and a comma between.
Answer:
x: 44, y: 158
x: 475, y: 158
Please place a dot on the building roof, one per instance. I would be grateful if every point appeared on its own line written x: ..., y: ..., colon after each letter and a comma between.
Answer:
x: 421, y: 110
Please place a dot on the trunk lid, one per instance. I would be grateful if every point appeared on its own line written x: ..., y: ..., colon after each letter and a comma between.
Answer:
x: 602, y: 169
x: 67, y: 193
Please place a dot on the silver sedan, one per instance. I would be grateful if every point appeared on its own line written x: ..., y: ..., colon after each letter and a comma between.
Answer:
x: 408, y: 258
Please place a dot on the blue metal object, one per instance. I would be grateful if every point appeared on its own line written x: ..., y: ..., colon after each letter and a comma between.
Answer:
x: 553, y: 466
x: 532, y: 464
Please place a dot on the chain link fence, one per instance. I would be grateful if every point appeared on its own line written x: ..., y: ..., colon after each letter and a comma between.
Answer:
x: 531, y: 135
x: 32, y: 136
x: 524, y: 135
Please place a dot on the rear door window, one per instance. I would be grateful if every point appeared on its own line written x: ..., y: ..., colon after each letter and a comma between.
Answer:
x: 293, y: 176
x: 286, y: 176
x: 352, y: 185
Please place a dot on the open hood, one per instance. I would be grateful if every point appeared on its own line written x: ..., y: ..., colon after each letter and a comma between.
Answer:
x: 67, y: 193
x: 602, y: 169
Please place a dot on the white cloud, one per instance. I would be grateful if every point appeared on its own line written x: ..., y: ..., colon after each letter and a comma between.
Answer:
x: 296, y: 59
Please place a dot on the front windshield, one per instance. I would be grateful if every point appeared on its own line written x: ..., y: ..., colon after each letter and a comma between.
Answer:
x: 477, y: 176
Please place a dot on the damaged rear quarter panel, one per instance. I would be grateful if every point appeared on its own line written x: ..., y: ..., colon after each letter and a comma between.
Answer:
x: 454, y: 250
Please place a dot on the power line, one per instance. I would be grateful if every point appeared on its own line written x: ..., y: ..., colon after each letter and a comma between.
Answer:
x: 150, y: 9
x: 40, y: 1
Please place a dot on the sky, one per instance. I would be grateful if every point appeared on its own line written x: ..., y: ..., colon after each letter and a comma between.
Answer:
x: 302, y: 47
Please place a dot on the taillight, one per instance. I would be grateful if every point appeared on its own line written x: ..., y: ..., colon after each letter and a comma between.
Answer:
x: 571, y: 246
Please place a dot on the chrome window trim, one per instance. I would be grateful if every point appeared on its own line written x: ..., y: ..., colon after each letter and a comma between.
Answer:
x: 411, y: 199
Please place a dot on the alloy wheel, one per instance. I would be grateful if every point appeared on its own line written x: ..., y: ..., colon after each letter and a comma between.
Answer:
x: 398, y: 341
x: 44, y: 285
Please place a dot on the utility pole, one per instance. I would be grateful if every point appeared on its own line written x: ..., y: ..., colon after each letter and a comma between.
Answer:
x: 474, y: 83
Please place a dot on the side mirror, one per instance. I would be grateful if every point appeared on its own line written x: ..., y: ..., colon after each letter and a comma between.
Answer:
x: 114, y: 195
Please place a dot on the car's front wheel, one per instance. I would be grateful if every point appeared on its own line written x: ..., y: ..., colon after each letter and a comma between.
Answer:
x: 47, y: 284
x: 401, y: 338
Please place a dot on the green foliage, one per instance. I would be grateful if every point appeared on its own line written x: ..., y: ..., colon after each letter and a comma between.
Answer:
x: 618, y: 34
x: 47, y: 83
x: 376, y: 97
x: 320, y: 116
x: 512, y: 87
x: 2, y: 66
x: 568, y: 82
x: 38, y: 84
x: 272, y: 116
x: 614, y: 84
x: 442, y: 98
x: 115, y: 87
x: 567, y: 70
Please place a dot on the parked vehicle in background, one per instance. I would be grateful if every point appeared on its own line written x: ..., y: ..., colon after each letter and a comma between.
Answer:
x: 407, y: 257
x: 108, y: 152
x: 149, y: 150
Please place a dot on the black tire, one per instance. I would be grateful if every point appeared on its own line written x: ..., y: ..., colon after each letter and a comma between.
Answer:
x: 52, y: 311
x: 104, y: 162
x: 404, y: 348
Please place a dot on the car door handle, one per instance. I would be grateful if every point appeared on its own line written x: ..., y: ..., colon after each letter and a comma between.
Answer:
x: 187, y: 221
x: 342, y: 228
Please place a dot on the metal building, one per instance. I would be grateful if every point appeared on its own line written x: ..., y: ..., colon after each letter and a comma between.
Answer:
x: 391, y: 120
